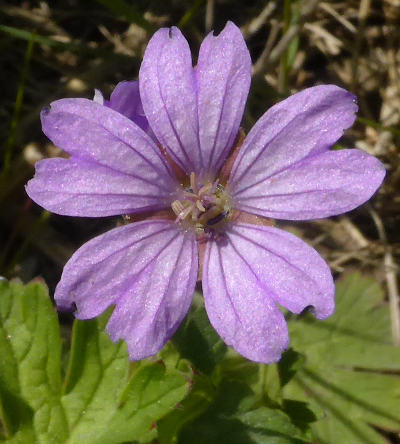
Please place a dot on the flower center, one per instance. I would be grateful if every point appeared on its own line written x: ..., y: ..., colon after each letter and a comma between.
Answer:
x: 205, y: 206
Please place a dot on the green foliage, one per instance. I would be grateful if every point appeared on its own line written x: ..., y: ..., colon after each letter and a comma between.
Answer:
x: 339, y: 382
x: 103, y: 398
x: 233, y: 400
x: 236, y: 416
x: 349, y: 371
x: 30, y: 380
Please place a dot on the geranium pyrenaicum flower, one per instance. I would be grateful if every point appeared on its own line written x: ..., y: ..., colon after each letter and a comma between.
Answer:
x: 124, y: 158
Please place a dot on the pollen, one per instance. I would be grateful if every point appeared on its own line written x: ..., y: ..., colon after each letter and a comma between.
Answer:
x: 206, y: 207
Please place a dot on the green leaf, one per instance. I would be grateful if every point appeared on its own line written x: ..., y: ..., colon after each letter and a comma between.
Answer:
x: 289, y: 364
x: 104, y: 398
x: 234, y: 405
x: 232, y: 400
x: 150, y: 394
x: 200, y: 398
x: 344, y: 374
x: 30, y: 377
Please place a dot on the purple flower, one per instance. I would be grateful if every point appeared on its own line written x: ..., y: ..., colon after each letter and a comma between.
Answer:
x: 124, y: 155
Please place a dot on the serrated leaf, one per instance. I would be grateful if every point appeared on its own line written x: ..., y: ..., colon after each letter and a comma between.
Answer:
x: 271, y: 426
x: 100, y: 375
x: 30, y: 378
x: 104, y: 399
x: 347, y: 358
x: 136, y: 415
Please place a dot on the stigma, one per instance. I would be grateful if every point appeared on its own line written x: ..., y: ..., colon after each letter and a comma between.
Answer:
x: 204, y: 207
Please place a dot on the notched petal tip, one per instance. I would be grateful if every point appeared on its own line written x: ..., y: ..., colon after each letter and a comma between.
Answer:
x: 45, y: 111
x: 162, y: 35
x: 319, y: 314
x: 67, y: 307
x: 229, y: 27
x: 173, y: 32
x: 321, y: 311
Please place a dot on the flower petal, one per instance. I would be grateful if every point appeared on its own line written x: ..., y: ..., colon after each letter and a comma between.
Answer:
x: 239, y: 308
x: 196, y: 113
x: 147, y: 269
x: 255, y: 268
x: 126, y: 100
x: 100, y: 136
x: 306, y: 123
x: 223, y: 76
x: 293, y: 274
x: 322, y: 185
x: 168, y: 92
x: 80, y: 188
x: 85, y: 129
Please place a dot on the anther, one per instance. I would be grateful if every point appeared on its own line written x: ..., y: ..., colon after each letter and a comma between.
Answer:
x: 185, y: 213
x: 177, y: 207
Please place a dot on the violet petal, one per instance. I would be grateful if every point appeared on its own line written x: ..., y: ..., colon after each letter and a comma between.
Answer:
x: 291, y: 272
x: 195, y: 113
x: 168, y: 92
x: 98, y: 136
x: 125, y: 99
x: 322, y: 185
x: 147, y: 269
x: 239, y: 308
x: 304, y: 124
x: 81, y: 188
x: 223, y: 75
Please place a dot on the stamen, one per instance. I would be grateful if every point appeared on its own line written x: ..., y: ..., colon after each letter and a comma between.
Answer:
x: 195, y: 214
x: 190, y: 194
x: 200, y: 206
x: 210, y: 214
x: 204, y: 206
x: 193, y: 184
x: 177, y: 207
x: 205, y: 189
x: 185, y: 213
